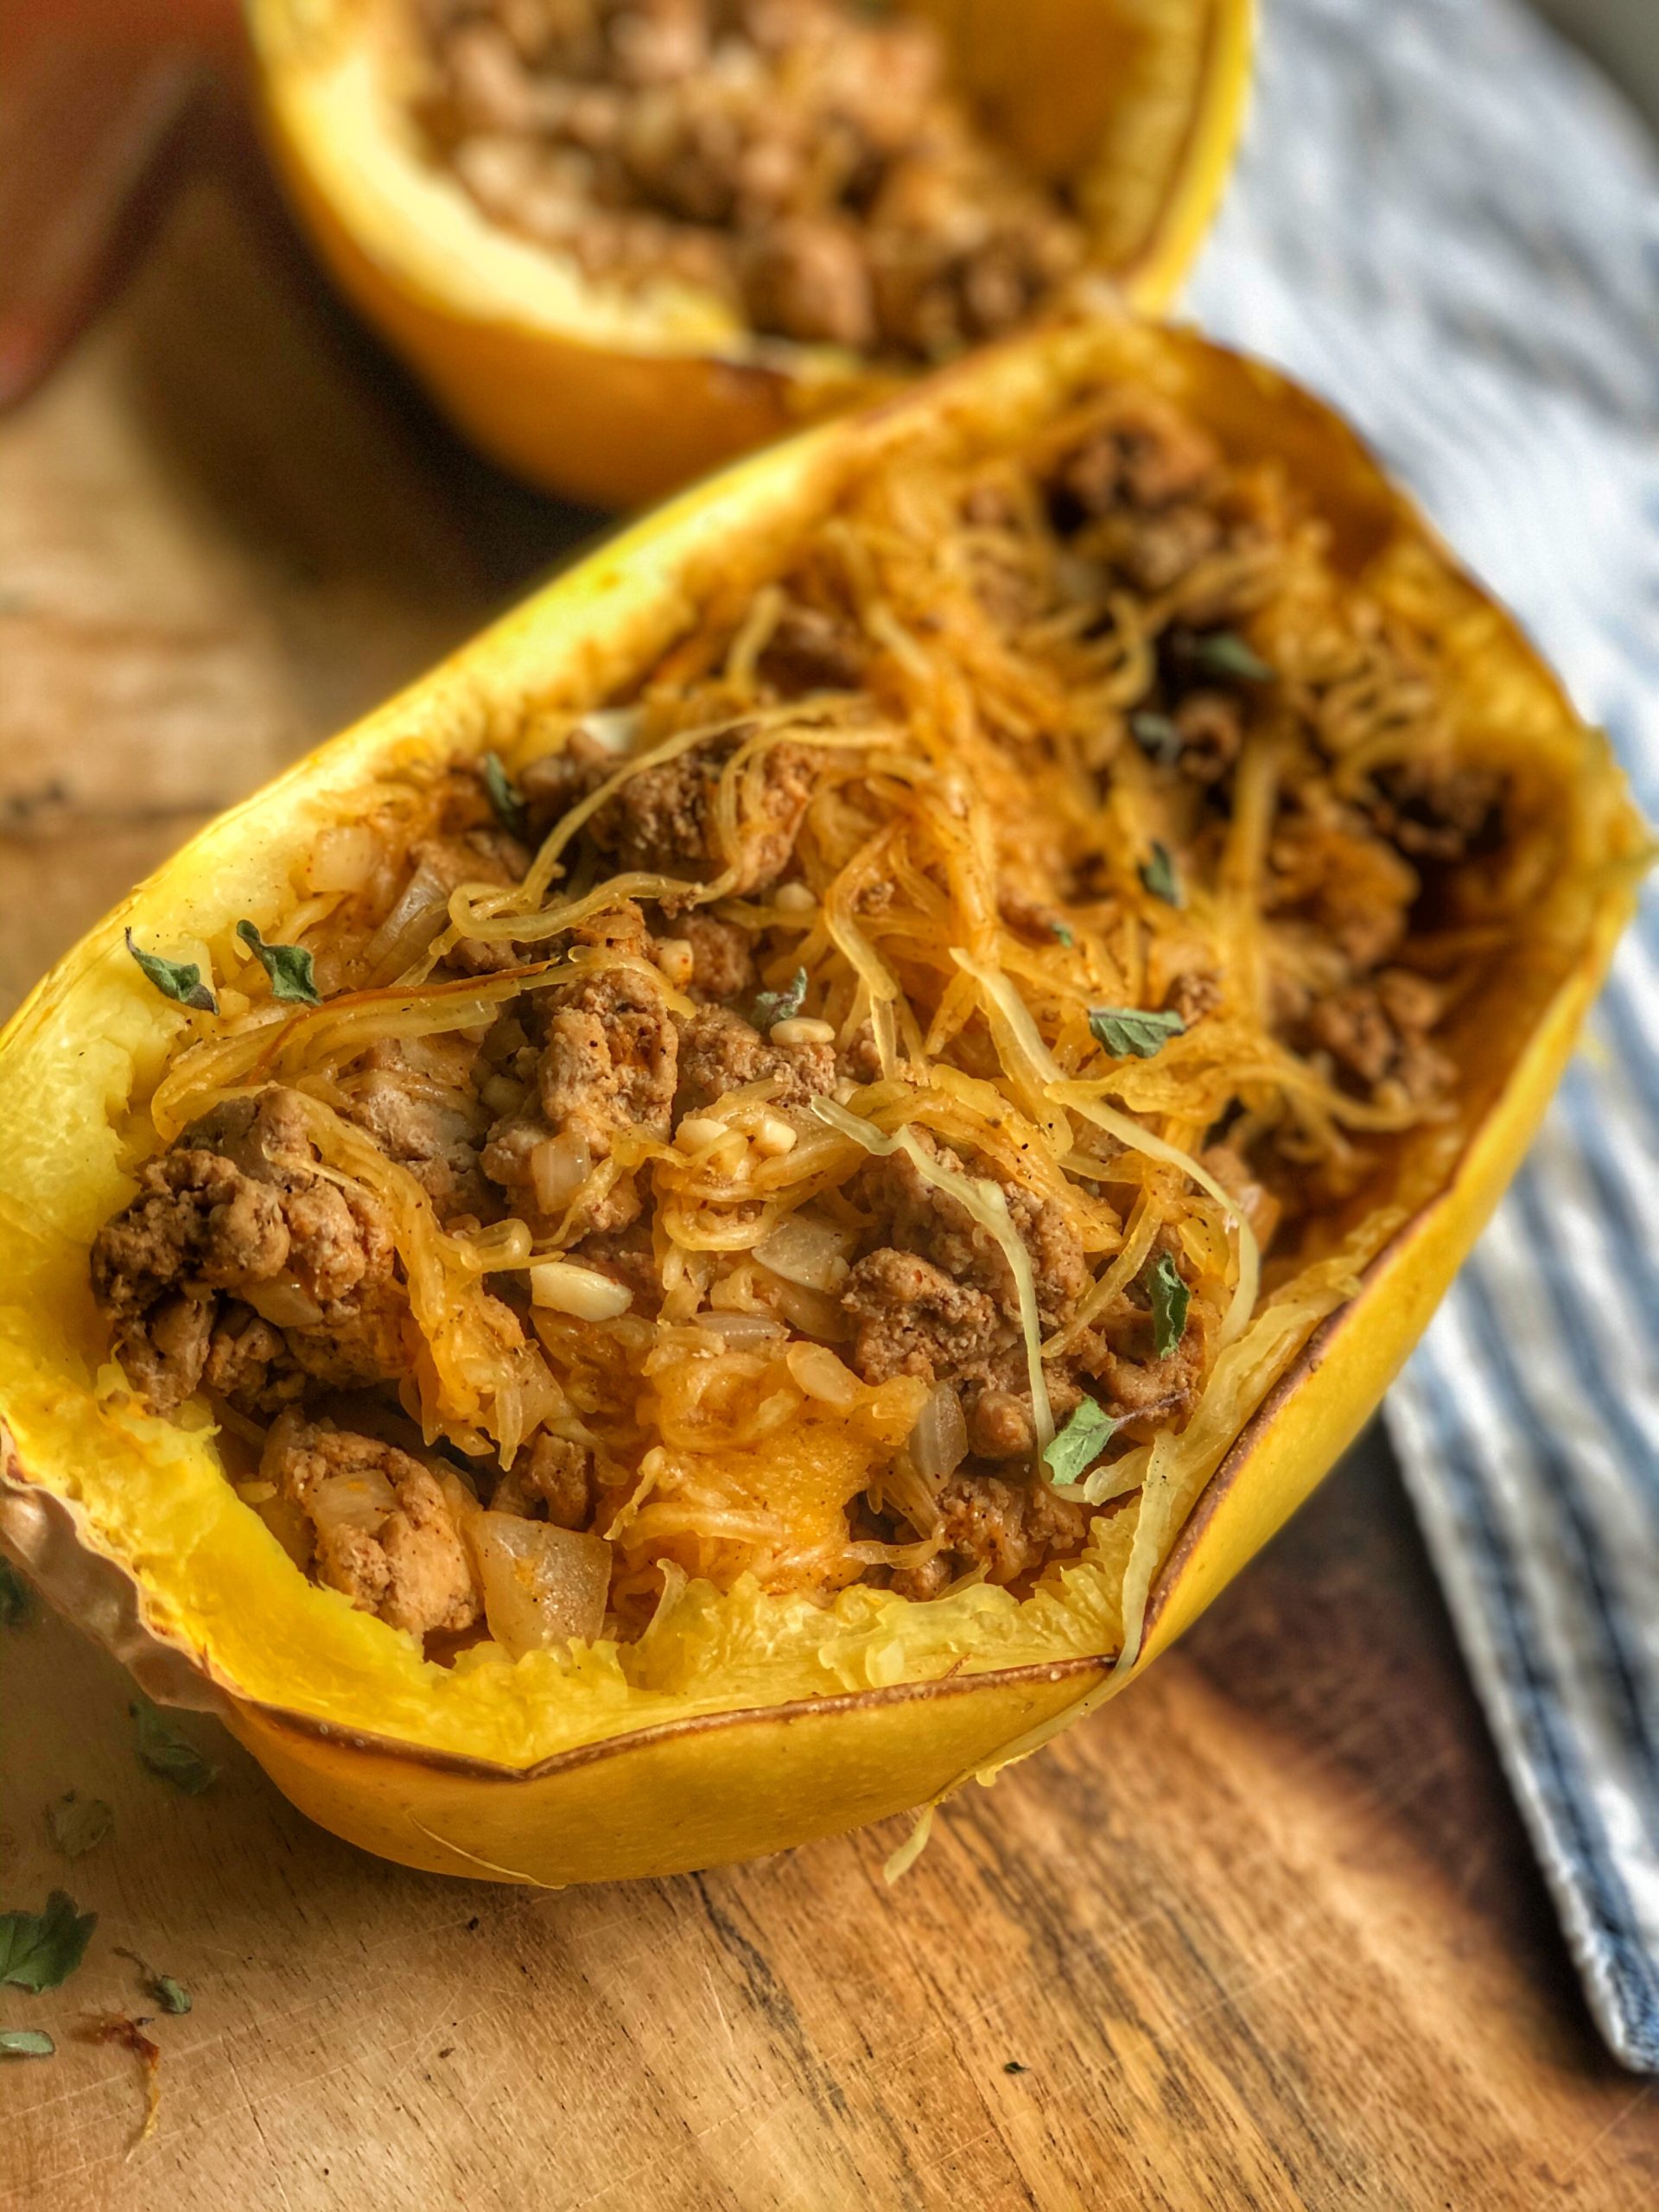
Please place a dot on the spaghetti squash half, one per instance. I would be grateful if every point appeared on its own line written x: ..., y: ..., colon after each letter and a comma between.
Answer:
x: 711, y: 1220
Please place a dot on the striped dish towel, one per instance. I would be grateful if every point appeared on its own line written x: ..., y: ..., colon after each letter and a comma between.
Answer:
x: 1449, y: 225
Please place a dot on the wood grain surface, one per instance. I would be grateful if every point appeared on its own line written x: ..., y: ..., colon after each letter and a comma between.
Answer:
x: 1266, y: 1934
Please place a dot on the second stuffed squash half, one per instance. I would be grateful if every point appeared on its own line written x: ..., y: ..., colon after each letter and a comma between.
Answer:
x: 623, y: 241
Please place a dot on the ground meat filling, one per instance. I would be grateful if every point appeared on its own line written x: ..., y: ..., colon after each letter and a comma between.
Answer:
x: 384, y: 1530
x: 636, y: 1135
x: 805, y: 163
x: 235, y: 1227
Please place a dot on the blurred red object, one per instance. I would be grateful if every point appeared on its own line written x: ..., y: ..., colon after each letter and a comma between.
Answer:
x: 97, y: 98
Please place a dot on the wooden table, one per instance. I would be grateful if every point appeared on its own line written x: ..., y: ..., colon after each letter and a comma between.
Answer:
x: 1267, y: 1934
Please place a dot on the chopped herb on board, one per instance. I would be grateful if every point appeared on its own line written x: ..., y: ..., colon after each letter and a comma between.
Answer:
x: 161, y: 1988
x: 166, y: 1753
x: 79, y: 1824
x: 40, y: 1949
x: 1129, y: 1032
x: 26, y: 2043
x: 290, y: 967
x: 174, y: 979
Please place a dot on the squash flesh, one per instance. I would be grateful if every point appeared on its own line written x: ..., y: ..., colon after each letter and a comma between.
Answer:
x: 196, y: 1575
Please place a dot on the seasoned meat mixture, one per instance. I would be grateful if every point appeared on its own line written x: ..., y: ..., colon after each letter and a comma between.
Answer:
x: 803, y: 160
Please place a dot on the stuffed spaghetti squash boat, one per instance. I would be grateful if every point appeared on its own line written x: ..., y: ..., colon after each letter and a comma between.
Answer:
x: 743, y: 1201
x: 622, y: 241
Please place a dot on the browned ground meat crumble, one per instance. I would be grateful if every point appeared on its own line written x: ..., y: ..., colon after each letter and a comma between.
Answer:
x: 805, y: 163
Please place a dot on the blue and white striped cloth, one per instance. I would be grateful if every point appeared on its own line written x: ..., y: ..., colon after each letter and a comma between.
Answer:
x: 1445, y: 223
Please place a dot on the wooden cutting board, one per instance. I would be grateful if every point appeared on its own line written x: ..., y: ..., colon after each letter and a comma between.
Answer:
x: 1266, y: 1934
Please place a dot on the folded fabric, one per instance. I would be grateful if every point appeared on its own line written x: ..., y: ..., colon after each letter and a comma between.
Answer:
x: 1447, y: 223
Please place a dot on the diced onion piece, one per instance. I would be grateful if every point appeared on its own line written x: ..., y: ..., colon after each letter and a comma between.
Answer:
x: 421, y: 910
x: 558, y: 1167
x: 810, y: 1252
x: 543, y: 1584
x: 614, y: 727
x: 821, y: 1376
x: 283, y: 1304
x: 582, y: 1293
x: 814, y: 1312
x: 344, y: 858
x: 938, y: 1443
x: 987, y: 1204
x: 740, y: 1329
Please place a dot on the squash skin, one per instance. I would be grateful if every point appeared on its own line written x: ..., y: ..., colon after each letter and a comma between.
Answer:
x: 619, y: 424
x: 678, y: 1793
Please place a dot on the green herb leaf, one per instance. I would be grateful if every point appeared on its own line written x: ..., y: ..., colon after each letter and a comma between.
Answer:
x: 1170, y: 1300
x: 1223, y: 652
x: 174, y: 979
x: 1079, y: 1443
x: 1159, y: 877
x: 1134, y: 1033
x: 1156, y: 734
x: 510, y: 810
x: 1063, y: 931
x: 290, y: 967
x: 781, y: 1006
x: 1013, y: 2066
x: 80, y: 1824
x: 160, y: 1988
x: 26, y: 2043
x: 165, y: 1752
x: 15, y: 1604
x: 40, y: 1949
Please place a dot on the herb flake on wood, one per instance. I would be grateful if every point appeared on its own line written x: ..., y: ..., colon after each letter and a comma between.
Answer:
x: 38, y: 1950
x: 161, y: 1989
x: 167, y: 1753
x: 78, y: 1824
x: 26, y: 2043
